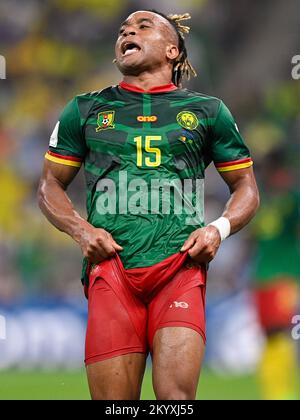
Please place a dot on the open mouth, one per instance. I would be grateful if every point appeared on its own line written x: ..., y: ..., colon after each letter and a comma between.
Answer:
x: 129, y: 48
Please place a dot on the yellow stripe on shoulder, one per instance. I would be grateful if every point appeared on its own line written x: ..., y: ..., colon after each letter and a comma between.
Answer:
x: 62, y: 161
x: 235, y: 167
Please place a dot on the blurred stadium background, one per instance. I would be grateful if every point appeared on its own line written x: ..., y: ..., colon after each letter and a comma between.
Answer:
x: 242, y: 50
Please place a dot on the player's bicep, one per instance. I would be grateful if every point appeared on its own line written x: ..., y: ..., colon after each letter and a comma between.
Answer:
x: 240, y: 178
x: 58, y: 173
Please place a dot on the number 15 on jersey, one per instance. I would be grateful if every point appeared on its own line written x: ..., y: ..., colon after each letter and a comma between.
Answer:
x: 145, y: 145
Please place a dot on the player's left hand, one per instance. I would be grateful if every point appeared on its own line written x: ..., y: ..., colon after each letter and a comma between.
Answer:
x: 203, y: 244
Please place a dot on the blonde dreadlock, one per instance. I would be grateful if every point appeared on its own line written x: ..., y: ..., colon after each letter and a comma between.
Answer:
x: 178, y: 19
x: 182, y: 66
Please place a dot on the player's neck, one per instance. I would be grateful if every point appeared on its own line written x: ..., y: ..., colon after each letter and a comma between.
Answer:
x: 148, y: 81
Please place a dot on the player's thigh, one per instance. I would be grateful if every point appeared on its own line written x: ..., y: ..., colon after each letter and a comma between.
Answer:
x: 178, y: 345
x: 118, y: 378
x: 116, y: 323
x: 116, y: 345
x: 177, y: 359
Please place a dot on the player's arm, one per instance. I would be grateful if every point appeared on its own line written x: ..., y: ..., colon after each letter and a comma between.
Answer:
x: 232, y: 160
x: 96, y: 244
x: 204, y: 243
x: 244, y: 201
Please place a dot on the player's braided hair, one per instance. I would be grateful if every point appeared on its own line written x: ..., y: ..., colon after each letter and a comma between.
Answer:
x: 182, y: 66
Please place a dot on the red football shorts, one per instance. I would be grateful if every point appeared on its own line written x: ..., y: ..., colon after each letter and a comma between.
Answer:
x: 127, y: 307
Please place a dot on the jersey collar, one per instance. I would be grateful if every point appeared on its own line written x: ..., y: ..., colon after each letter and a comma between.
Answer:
x: 157, y: 89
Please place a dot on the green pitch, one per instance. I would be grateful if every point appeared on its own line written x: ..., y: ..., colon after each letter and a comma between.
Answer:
x: 73, y: 386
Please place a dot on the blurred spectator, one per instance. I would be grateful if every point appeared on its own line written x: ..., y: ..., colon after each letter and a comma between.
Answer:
x: 277, y: 275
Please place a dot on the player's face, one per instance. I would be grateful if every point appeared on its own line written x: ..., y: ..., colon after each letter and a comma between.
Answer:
x: 146, y: 41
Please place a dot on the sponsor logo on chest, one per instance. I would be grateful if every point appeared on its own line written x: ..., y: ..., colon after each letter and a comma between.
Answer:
x: 147, y: 119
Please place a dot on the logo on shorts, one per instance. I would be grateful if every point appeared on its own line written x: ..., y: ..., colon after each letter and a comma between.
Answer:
x: 182, y: 305
x: 188, y: 120
x: 106, y: 121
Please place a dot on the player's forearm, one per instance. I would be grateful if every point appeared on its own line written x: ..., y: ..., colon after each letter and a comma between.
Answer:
x: 59, y: 210
x: 242, y: 206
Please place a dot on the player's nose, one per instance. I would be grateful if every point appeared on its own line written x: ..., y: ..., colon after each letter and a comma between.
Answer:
x: 130, y: 30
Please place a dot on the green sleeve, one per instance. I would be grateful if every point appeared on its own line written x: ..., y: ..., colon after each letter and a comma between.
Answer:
x: 68, y: 137
x: 227, y: 145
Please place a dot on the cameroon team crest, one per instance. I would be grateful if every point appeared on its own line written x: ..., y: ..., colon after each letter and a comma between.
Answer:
x: 106, y: 121
x: 188, y: 120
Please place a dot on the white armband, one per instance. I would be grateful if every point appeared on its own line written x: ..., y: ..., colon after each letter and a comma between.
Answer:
x: 223, y: 226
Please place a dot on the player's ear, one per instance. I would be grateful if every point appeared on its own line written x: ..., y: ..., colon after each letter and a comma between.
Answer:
x: 172, y: 52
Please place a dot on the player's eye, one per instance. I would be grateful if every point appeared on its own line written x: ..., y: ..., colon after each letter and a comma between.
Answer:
x: 121, y: 31
x: 144, y: 26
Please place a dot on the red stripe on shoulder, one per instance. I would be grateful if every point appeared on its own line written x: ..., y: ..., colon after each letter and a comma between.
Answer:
x: 232, y: 163
x: 72, y: 158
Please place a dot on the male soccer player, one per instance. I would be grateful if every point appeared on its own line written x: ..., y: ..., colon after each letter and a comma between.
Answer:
x: 145, y: 145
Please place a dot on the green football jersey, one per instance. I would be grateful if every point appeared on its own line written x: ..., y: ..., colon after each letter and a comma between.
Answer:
x: 145, y: 155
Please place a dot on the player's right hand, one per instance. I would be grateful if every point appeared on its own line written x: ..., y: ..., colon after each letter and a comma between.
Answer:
x: 97, y: 245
